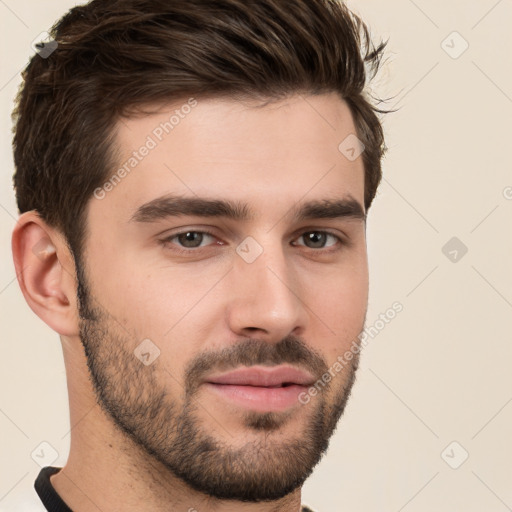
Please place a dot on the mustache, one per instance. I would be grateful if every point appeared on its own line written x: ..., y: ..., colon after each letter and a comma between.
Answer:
x: 251, y: 352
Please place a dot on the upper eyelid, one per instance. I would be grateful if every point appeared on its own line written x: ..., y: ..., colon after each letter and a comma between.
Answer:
x: 212, y: 230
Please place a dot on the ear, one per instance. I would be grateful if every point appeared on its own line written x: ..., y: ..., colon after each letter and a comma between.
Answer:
x: 45, y: 270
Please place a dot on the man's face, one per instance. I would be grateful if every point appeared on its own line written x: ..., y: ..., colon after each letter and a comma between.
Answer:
x: 202, y: 330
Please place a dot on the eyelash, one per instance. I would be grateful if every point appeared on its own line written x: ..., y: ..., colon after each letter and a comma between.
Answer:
x: 166, y: 241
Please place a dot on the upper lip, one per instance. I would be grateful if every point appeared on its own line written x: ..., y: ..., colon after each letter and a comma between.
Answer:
x: 263, y: 376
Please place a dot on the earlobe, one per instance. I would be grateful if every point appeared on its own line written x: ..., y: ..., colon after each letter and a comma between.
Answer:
x: 45, y: 272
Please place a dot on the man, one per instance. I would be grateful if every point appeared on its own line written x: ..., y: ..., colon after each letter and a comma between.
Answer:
x: 193, y: 180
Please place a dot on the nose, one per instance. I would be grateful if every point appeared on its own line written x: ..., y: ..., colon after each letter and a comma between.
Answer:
x: 266, y: 299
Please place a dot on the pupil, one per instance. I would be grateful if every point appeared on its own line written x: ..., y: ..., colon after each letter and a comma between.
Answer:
x: 318, y: 236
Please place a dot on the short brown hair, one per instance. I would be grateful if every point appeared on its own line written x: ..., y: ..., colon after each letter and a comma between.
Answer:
x: 115, y: 56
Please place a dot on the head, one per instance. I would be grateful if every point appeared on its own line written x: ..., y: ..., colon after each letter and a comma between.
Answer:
x: 207, y: 168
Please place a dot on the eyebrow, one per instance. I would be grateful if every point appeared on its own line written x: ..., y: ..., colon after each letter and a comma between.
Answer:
x: 167, y: 206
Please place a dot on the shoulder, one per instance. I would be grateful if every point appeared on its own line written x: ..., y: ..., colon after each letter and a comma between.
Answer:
x: 305, y: 509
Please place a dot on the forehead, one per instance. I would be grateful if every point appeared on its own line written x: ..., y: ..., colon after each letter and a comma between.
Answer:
x: 269, y: 156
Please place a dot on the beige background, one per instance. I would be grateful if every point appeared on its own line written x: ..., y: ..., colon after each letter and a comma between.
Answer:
x: 440, y: 371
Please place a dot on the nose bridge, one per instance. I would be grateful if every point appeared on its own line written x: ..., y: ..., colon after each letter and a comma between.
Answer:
x: 266, y: 294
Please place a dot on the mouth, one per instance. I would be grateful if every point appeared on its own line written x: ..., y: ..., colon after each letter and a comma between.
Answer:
x: 261, y: 388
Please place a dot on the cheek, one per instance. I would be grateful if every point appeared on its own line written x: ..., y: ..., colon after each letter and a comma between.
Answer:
x: 175, y: 312
x: 340, y: 302
x: 343, y: 307
x: 341, y: 288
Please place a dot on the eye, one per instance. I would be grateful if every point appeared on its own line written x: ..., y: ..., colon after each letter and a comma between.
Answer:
x: 318, y: 239
x: 186, y: 242
x: 188, y: 239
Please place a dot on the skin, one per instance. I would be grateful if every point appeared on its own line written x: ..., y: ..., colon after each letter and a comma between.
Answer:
x: 272, y: 158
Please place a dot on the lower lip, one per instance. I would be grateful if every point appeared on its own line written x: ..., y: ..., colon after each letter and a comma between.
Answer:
x: 259, y: 398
